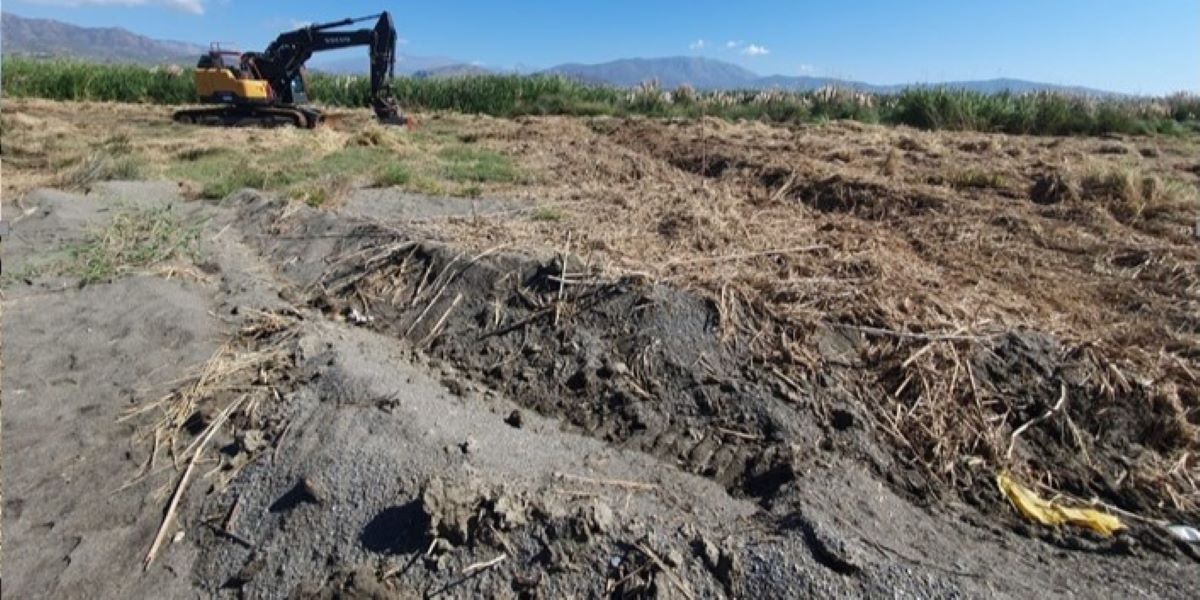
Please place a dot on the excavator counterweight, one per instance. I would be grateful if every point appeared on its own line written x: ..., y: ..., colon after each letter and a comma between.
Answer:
x: 271, y: 87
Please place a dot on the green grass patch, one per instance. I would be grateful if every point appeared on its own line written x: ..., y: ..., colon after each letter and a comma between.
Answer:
x: 477, y: 165
x: 102, y: 166
x: 975, y: 179
x: 355, y: 160
x: 393, y: 175
x: 225, y: 185
x: 222, y: 172
x: 547, y: 214
x: 134, y: 240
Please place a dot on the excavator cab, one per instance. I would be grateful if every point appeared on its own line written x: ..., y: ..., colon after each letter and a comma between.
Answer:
x: 222, y: 77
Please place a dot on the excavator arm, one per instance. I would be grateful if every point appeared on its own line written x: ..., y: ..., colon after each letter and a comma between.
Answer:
x: 282, y: 63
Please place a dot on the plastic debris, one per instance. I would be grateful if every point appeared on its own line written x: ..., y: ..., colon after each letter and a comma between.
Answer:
x: 1184, y: 533
x: 1051, y: 513
x: 358, y: 318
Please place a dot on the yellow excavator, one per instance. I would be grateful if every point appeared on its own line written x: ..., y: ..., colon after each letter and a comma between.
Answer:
x: 270, y: 87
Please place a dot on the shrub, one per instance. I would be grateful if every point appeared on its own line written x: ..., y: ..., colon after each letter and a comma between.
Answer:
x: 515, y: 95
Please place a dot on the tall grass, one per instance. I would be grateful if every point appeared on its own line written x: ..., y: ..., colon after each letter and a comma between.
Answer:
x: 514, y: 95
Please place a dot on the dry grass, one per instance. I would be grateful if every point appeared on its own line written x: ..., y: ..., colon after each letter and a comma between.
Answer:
x: 931, y: 246
x: 229, y: 387
x: 934, y: 263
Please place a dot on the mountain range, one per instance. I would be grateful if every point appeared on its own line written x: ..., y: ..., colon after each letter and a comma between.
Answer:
x: 50, y: 38
x: 54, y: 39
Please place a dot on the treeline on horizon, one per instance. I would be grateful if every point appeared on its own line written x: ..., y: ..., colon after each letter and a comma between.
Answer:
x: 1040, y: 113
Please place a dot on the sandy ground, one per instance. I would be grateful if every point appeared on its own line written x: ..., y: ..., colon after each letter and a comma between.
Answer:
x: 373, y: 447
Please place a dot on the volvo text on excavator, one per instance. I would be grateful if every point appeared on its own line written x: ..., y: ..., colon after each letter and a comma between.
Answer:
x: 270, y: 87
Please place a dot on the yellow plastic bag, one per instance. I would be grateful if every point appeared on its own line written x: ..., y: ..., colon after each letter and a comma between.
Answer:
x: 1051, y: 513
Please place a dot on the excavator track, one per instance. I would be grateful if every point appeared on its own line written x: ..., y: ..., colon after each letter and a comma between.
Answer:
x: 251, y: 116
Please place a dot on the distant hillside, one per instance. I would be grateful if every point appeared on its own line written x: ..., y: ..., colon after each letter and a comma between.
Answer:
x: 453, y: 71
x: 698, y: 72
x: 352, y: 62
x: 50, y: 38
x: 710, y: 74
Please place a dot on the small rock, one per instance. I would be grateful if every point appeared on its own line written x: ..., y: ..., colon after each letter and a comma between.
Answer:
x: 454, y: 386
x: 709, y: 552
x: 251, y: 440
x: 440, y: 546
x: 602, y: 517
x: 437, y: 563
x: 515, y: 419
x: 594, y: 517
x: 470, y: 446
x: 510, y: 511
x: 451, y: 508
x: 312, y: 490
x: 674, y: 558
x: 526, y: 583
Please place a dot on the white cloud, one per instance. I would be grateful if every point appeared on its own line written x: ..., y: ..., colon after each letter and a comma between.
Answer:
x: 806, y: 69
x: 755, y: 50
x: 698, y: 45
x: 731, y: 44
x: 195, y: 7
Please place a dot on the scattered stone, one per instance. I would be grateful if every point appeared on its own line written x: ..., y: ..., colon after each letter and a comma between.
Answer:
x: 830, y: 549
x: 437, y: 563
x: 592, y: 518
x: 674, y: 558
x: 469, y: 446
x: 450, y: 508
x: 723, y: 562
x: 515, y: 419
x: 708, y: 551
x: 251, y: 440
x: 440, y: 546
x: 454, y: 386
x: 312, y: 490
x: 526, y: 584
x: 509, y: 511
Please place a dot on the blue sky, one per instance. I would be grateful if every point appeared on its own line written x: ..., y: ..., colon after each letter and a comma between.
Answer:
x: 1136, y: 46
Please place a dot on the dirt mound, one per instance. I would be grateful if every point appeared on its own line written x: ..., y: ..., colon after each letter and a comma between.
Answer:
x: 647, y: 367
x: 862, y: 198
x: 626, y: 361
